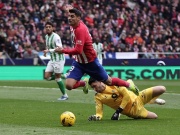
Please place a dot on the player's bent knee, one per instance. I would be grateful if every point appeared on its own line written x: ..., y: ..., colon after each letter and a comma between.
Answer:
x: 163, y: 89
x: 69, y: 87
x: 159, y: 89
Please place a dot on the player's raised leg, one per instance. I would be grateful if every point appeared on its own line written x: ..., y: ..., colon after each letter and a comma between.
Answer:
x: 157, y: 91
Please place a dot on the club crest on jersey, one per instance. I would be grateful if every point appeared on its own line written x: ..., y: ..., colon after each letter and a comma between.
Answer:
x: 114, y: 95
x: 79, y: 42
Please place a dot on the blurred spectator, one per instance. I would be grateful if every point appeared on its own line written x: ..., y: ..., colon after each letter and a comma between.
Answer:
x: 138, y: 39
x: 147, y: 54
x: 2, y: 39
x: 99, y: 48
x: 115, y: 39
x: 30, y: 53
x: 129, y: 40
x: 20, y: 52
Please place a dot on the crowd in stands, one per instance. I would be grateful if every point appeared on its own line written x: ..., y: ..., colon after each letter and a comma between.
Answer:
x: 150, y: 27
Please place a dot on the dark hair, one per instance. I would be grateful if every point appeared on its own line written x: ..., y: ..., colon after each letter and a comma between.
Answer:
x: 75, y: 11
x: 91, y: 80
x: 49, y: 23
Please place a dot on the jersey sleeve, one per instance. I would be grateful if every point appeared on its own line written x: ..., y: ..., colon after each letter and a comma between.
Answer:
x: 74, y: 51
x: 80, y: 38
x: 99, y: 107
x: 102, y: 47
x: 57, y: 41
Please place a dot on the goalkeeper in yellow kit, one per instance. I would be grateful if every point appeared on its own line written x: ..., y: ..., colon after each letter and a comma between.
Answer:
x: 124, y: 101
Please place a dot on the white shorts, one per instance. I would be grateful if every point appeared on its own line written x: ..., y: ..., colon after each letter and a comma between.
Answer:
x: 55, y: 66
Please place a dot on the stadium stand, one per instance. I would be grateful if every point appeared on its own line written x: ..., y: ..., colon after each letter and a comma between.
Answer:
x: 144, y: 26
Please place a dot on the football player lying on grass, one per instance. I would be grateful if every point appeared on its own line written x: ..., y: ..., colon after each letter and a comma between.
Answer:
x: 124, y: 101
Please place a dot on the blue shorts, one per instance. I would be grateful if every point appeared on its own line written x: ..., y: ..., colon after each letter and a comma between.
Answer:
x: 93, y: 69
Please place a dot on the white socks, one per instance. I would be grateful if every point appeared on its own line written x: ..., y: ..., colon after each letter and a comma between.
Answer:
x: 160, y: 101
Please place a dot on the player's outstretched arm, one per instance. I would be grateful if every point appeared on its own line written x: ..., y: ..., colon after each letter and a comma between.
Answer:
x: 59, y: 50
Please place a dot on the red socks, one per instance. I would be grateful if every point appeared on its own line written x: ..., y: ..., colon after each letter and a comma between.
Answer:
x: 119, y: 82
x: 115, y: 81
x: 79, y: 84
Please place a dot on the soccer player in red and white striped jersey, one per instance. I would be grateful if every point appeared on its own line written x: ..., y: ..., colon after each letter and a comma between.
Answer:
x: 85, y: 58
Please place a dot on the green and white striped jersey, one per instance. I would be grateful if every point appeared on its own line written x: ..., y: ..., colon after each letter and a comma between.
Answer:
x: 99, y: 49
x: 52, y: 42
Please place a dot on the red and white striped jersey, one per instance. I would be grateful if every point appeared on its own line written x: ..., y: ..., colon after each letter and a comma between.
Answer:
x: 83, y: 51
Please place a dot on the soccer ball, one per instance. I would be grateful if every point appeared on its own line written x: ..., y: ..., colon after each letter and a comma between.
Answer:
x: 67, y: 119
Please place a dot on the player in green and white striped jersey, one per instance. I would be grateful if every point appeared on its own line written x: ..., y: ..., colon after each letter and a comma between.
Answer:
x: 99, y: 48
x: 55, y: 66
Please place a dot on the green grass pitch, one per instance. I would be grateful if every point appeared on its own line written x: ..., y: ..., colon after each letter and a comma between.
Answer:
x: 31, y: 108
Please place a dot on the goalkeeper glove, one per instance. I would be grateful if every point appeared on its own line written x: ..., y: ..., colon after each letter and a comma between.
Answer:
x: 93, y: 118
x: 117, y: 114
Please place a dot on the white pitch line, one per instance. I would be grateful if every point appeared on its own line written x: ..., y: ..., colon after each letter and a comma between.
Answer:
x: 172, y: 94
x: 36, y: 88
x: 57, y: 88
x: 25, y: 87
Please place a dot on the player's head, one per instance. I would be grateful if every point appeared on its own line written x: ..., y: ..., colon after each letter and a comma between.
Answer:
x: 75, y: 11
x: 98, y: 86
x: 96, y: 40
x: 74, y: 17
x: 49, y: 27
x: 91, y: 80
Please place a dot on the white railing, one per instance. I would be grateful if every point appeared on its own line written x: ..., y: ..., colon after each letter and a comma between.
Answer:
x: 5, y: 56
x: 118, y: 55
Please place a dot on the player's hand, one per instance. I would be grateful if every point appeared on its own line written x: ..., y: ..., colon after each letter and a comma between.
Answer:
x: 117, y: 114
x: 58, y: 50
x: 68, y: 7
x: 93, y: 118
x: 45, y: 52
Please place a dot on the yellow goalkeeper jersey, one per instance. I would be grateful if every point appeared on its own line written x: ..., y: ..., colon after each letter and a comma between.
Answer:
x: 115, y: 97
